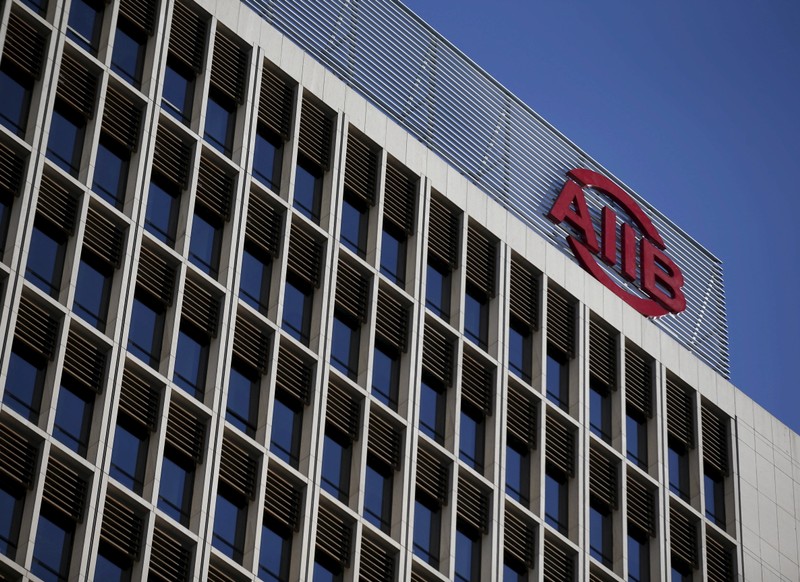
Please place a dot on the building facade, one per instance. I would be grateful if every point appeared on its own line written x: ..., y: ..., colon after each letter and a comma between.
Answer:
x: 270, y: 311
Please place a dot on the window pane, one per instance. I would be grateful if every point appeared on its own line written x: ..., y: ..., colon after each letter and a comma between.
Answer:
x: 191, y: 362
x: 307, y: 191
x: 475, y: 319
x: 393, y: 257
x: 5, y: 220
x: 678, y: 459
x: 220, y: 119
x: 471, y: 440
x: 426, y: 533
x: 267, y: 160
x: 286, y: 432
x: 10, y: 516
x: 467, y: 558
x: 175, y: 490
x: 85, y: 18
x: 45, y: 261
x: 110, y: 569
x: 557, y: 379
x: 600, y: 534
x: 325, y: 573
x: 65, y: 142
x: 14, y: 104
x: 273, y: 560
x: 254, y: 281
x: 519, y: 348
x: 128, y: 56
x: 354, y: 227
x: 51, y: 554
x: 204, y: 245
x: 161, y: 219
x: 127, y: 458
x: 92, y: 290
x: 431, y: 412
x: 296, y: 312
x: 638, y: 561
x: 714, y: 487
x: 344, y: 348
x: 378, y: 498
x: 242, y: 401
x: 228, y: 527
x: 73, y: 419
x: 555, y: 502
x: 600, y: 411
x: 336, y: 468
x: 145, y: 333
x: 517, y: 474
x: 437, y: 291
x: 110, y: 175
x: 177, y: 95
x: 23, y: 392
x: 385, y: 377
x: 636, y: 440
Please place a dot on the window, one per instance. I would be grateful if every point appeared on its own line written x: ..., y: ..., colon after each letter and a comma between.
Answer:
x: 161, y: 217
x: 111, y: 565
x: 275, y: 555
x: 476, y: 318
x: 680, y: 573
x: 600, y: 532
x: 519, y: 350
x: 557, y: 378
x: 344, y: 345
x: 437, y: 289
x: 65, y: 144
x: 128, y: 456
x: 308, y: 188
x: 110, y: 174
x: 242, y: 407
x: 256, y: 271
x: 175, y: 489
x: 38, y: 6
x: 85, y: 21
x: 191, y: 363
x: 326, y: 572
x: 638, y: 558
x: 229, y: 526
x: 378, y: 496
x: 393, y: 255
x: 427, y: 529
x: 472, y: 437
x: 555, y: 499
x: 678, y: 457
x: 297, y: 310
x: 385, y: 376
x: 74, y: 418
x: 146, y: 332
x: 468, y: 556
x: 127, y: 59
x: 599, y: 410
x: 53, y: 550
x: 220, y: 122
x: 204, y: 246
x: 636, y: 429
x: 268, y: 159
x: 432, y: 411
x: 6, y: 202
x: 336, y: 457
x: 518, y: 469
x: 355, y: 220
x: 178, y: 92
x: 46, y: 259
x: 24, y: 383
x: 16, y: 90
x: 286, y: 424
x: 714, y: 487
x: 11, y: 506
x: 92, y: 292
x: 512, y: 573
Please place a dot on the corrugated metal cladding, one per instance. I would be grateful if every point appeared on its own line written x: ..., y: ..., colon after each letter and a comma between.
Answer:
x: 431, y: 89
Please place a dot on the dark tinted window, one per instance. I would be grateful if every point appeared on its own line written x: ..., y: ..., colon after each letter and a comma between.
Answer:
x: 476, y: 318
x: 15, y: 103
x: 191, y: 363
x: 336, y: 466
x: 74, y: 418
x: 308, y: 189
x: 714, y: 488
x: 378, y: 496
x: 256, y: 271
x: 555, y: 500
x: 427, y: 525
x: 471, y: 438
x: 297, y: 310
x: 267, y: 159
x: 600, y: 410
x: 437, y: 290
x: 11, y: 505
x: 65, y: 144
x: 161, y: 218
x: 468, y: 557
x: 518, y: 473
x: 53, y: 549
x: 243, y: 400
x: 275, y: 555
x: 204, y: 246
x: 175, y: 489
x: 92, y: 291
x: 46, y: 259
x: 600, y: 534
x: 128, y: 57
x: 229, y: 522
x: 286, y: 425
x: 519, y: 351
x: 110, y: 174
x: 178, y: 91
x: 85, y: 20
x: 432, y: 411
x: 636, y: 429
x: 385, y: 376
x: 557, y: 378
x: 344, y: 346
x: 128, y: 457
x: 24, y: 383
x: 678, y: 458
x: 354, y: 226
x: 220, y: 122
x: 393, y: 256
x: 146, y: 332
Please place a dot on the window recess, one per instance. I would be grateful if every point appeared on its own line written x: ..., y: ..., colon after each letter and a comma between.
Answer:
x: 64, y: 491
x: 377, y: 563
x: 251, y: 345
x: 481, y: 262
x: 275, y: 107
x: 282, y: 501
x: 432, y: 477
x: 169, y: 557
x: 343, y: 410
x: 333, y: 540
x: 12, y: 170
x: 715, y: 439
x: 444, y: 227
x: 187, y: 41
x: 17, y: 457
x: 719, y: 560
x: 437, y: 356
x: 294, y: 376
x: 522, y: 415
x: 523, y: 294
x: 638, y: 382
x: 316, y: 132
x: 36, y: 329
x: 561, y: 322
x: 519, y: 541
x: 560, y: 445
x: 139, y: 400
x: 558, y: 563
x: 84, y: 363
x: 477, y: 383
x: 140, y: 14
x: 172, y: 157
x: 603, y: 354
x: 384, y: 442
x: 473, y: 507
x: 361, y: 168
x: 20, y: 68
x: 237, y: 470
x: 121, y: 119
x: 200, y: 308
x: 228, y: 68
x: 683, y: 540
x: 76, y: 96
x: 264, y: 226
x: 57, y: 205
x: 680, y: 413
x: 305, y: 257
x: 352, y: 292
x: 121, y: 531
x: 155, y: 277
x: 103, y: 238
x: 641, y: 507
x: 391, y: 322
x: 186, y: 432
x: 399, y: 196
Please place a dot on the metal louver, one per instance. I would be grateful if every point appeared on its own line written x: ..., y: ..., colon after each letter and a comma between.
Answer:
x: 140, y: 13
x: 56, y: 205
x: 305, y: 256
x: 352, y: 292
x: 237, y: 469
x: 603, y: 354
x: 200, y: 308
x: 36, y: 328
x: 187, y: 40
x: 186, y: 432
x: 680, y: 413
x: 12, y: 169
x: 558, y: 562
x: 228, y: 67
x: 282, y: 500
x: 333, y: 537
x: 294, y: 376
x: 384, y: 442
x: 361, y: 167
x: 519, y: 540
x: 638, y: 381
x: 121, y: 529
x: 172, y: 156
x: 155, y: 277
x: 316, y: 132
x: 437, y: 355
x: 400, y: 194
x: 275, y: 102
x: 443, y: 231
x: 603, y: 477
x: 64, y: 490
x: 719, y: 561
x: 263, y: 227
x: 521, y: 419
x: 477, y: 383
x: 214, y: 188
x: 683, y: 538
x: 523, y: 294
x: 84, y: 363
x: 473, y: 506
x: 169, y: 558
x: 561, y: 322
x: 342, y: 410
x: 24, y: 46
x: 377, y: 564
x: 560, y: 445
x: 432, y: 478
x: 251, y: 344
x: 641, y: 507
x: 17, y: 457
x: 391, y: 321
x: 77, y: 86
x: 138, y: 399
x: 103, y: 238
x: 481, y: 260
x: 122, y: 118
x: 715, y: 438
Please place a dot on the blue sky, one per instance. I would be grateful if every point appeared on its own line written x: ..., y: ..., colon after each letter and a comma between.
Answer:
x: 696, y: 106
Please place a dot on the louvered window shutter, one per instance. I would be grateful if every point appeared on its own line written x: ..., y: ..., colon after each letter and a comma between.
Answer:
x: 559, y: 565
x: 443, y: 233
x: 228, y: 67
x: 352, y: 292
x: 561, y: 322
x: 477, y: 382
x: 282, y: 501
x: 12, y: 170
x: 560, y: 445
x: 24, y: 47
x: 473, y: 506
x: 391, y: 321
x: 200, y: 308
x: 103, y: 238
x: 316, y: 132
x: 156, y: 277
x: 638, y: 381
x: 237, y: 470
x: 214, y: 189
x: 603, y: 478
x: 521, y: 417
x: 333, y: 537
x: 172, y: 157
x: 481, y: 260
x: 384, y: 442
x: 641, y: 507
x: 377, y: 564
x: 523, y: 294
x: 361, y: 167
x: 84, y: 363
x: 294, y: 376
x: 432, y: 477
x: 680, y: 413
x: 715, y: 439
x: 719, y: 560
x: 683, y: 538
x: 305, y: 256
x: 169, y: 558
x: 36, y: 329
x: 343, y: 410
x: 138, y: 399
x: 519, y: 541
x: 251, y: 344
x: 400, y: 194
x: 17, y: 458
x: 56, y: 205
x: 437, y: 356
x: 264, y: 225
x: 275, y: 102
x: 77, y: 86
x: 139, y: 13
x: 603, y: 354
x: 122, y: 529
x: 187, y: 40
x: 186, y: 432
x: 64, y: 490
x: 121, y: 119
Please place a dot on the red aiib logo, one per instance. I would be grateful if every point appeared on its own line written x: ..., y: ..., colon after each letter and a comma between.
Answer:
x: 659, y: 277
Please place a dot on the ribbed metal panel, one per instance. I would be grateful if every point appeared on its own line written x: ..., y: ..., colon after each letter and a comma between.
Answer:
x: 477, y: 383
x: 139, y: 399
x: 214, y: 188
x: 187, y: 41
x: 77, y: 86
x: 172, y: 156
x: 316, y: 132
x: 275, y: 102
x: 333, y: 537
x: 294, y: 376
x: 156, y: 277
x: 384, y: 442
x: 391, y: 320
x: 352, y: 291
x: 12, y: 167
x: 84, y: 362
x: 361, y: 167
x: 490, y: 136
x: 282, y: 500
x: 305, y: 256
x: 17, y: 457
x: 169, y: 558
x: 186, y: 432
x: 56, y: 204
x: 228, y: 67
x: 103, y: 238
x: 251, y: 344
x: 263, y: 226
x: 200, y: 308
x: 561, y: 321
x: 443, y: 225
x: 64, y: 490
x: 121, y: 118
x: 237, y: 469
x: 140, y: 13
x: 36, y: 328
x: 560, y: 445
x: 399, y: 197
x: 431, y: 476
x: 122, y: 528
x: 481, y: 252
